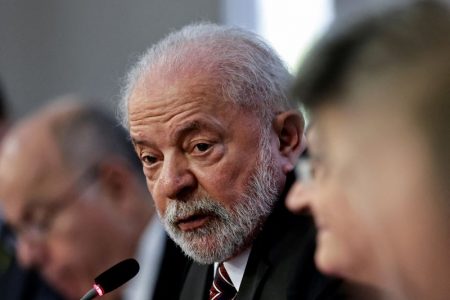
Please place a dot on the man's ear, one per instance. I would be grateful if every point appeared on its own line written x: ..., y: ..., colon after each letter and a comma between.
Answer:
x: 289, y: 126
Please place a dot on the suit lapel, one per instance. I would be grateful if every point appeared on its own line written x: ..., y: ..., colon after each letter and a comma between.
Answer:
x: 264, y: 253
x: 254, y: 274
x: 198, y: 282
x: 171, y: 272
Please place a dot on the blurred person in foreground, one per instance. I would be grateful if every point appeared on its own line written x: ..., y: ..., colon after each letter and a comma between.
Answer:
x: 218, y: 136
x: 73, y: 193
x: 379, y: 95
x: 16, y: 283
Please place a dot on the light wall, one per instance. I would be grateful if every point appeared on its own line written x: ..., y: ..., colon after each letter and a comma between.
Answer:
x: 54, y: 47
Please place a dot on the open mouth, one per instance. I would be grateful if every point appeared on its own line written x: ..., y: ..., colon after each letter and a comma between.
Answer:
x: 192, y: 222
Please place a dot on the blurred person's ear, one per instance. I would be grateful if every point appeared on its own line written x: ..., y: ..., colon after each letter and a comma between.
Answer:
x: 118, y: 183
x: 289, y: 127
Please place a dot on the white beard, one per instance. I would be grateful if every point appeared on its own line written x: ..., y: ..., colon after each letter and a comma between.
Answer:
x: 228, y: 231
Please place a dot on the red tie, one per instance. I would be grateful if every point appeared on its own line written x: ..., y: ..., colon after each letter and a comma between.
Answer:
x: 222, y: 287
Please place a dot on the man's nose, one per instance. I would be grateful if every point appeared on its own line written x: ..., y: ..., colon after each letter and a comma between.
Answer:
x: 30, y: 253
x: 176, y: 180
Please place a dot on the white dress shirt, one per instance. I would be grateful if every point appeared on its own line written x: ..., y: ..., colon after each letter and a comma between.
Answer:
x: 149, y: 255
x: 236, y: 267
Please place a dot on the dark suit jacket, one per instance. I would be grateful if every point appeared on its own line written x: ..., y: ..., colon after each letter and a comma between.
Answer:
x: 19, y: 284
x: 280, y: 264
x: 171, y: 273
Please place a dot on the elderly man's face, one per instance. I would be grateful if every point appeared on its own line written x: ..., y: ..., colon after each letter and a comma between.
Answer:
x: 211, y: 181
x: 54, y: 213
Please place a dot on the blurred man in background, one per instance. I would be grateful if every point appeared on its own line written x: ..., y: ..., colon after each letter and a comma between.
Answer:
x: 72, y: 192
x: 16, y: 283
x: 379, y: 94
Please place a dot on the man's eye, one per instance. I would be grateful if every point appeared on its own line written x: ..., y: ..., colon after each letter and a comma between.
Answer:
x: 202, y: 147
x: 148, y: 159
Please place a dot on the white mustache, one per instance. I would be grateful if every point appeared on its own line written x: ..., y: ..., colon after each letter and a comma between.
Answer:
x: 177, y: 210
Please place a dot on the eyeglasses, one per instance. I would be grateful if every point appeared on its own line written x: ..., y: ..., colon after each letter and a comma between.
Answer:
x: 40, y: 219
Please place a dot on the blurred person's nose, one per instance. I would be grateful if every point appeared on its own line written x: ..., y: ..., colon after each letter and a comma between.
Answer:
x: 176, y: 180
x: 30, y: 251
x: 300, y: 197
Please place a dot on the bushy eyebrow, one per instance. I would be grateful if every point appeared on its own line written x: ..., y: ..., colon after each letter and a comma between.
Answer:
x: 188, y: 128
x: 181, y: 132
x: 141, y: 142
x: 195, y: 126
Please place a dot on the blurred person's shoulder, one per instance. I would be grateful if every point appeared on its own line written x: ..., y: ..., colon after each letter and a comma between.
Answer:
x: 17, y: 283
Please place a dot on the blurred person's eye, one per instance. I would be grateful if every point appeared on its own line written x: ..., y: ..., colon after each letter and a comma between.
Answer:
x: 318, y: 167
x: 41, y: 217
x: 305, y: 168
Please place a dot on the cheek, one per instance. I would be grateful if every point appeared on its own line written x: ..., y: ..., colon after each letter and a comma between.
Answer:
x: 349, y: 226
x: 76, y: 238
x: 160, y: 202
x: 79, y: 260
x: 85, y: 233
x: 223, y: 185
x: 228, y: 180
x: 72, y: 255
x: 161, y: 206
x: 330, y: 204
x: 339, y: 239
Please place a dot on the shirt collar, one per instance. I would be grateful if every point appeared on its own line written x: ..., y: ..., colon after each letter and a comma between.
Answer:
x: 149, y: 255
x: 236, y: 267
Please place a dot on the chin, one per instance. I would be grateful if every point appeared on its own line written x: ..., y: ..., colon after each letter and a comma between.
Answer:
x: 329, y: 259
x: 333, y: 262
x: 324, y: 264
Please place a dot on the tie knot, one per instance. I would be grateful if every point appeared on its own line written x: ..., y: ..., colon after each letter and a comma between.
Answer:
x: 222, y: 287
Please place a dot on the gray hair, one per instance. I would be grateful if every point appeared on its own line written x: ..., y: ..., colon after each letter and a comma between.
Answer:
x: 245, y: 70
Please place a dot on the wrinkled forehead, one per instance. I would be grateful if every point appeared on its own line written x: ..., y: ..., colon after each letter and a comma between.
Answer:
x: 159, y: 81
x: 180, y: 96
